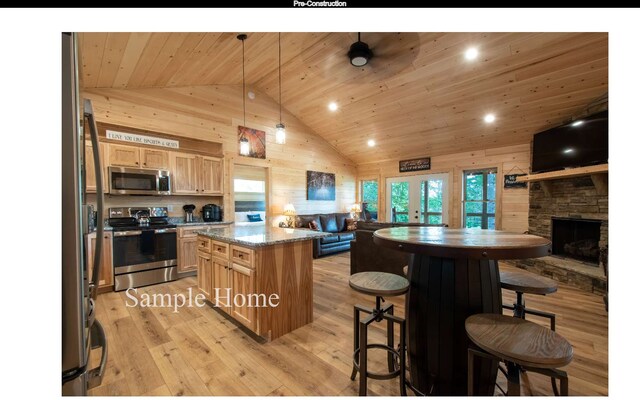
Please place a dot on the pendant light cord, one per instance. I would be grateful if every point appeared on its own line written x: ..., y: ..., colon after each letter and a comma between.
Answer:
x: 280, y: 75
x: 244, y: 100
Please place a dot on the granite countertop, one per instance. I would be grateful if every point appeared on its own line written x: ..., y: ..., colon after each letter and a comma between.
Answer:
x: 200, y: 223
x: 259, y: 236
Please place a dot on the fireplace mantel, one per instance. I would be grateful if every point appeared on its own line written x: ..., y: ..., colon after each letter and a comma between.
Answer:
x: 598, y: 174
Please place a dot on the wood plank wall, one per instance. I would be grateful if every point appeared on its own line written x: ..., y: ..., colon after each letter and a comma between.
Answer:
x: 512, y: 205
x: 213, y: 113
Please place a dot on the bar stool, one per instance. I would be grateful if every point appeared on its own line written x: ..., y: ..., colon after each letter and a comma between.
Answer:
x: 523, y: 282
x: 520, y: 345
x: 378, y: 284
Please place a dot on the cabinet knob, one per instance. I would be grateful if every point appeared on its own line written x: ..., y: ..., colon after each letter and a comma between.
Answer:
x: 240, y: 255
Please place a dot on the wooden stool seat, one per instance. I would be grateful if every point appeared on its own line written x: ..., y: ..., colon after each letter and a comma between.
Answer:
x: 379, y: 283
x: 519, y: 341
x: 527, y: 282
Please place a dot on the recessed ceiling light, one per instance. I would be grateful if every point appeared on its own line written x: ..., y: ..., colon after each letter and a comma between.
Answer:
x: 471, y: 53
x: 578, y: 123
x: 251, y: 95
x: 567, y: 151
x: 333, y: 106
x: 489, y: 118
x: 371, y: 142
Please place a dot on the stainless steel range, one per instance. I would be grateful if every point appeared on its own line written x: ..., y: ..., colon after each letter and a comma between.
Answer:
x: 144, y: 247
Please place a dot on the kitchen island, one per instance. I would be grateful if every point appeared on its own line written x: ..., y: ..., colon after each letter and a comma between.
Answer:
x: 260, y: 276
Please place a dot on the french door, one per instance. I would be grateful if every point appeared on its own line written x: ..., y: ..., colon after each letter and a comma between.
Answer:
x: 418, y: 198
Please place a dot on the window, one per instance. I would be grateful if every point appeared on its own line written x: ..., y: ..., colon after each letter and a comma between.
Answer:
x: 369, y: 195
x: 479, y: 208
x: 248, y: 186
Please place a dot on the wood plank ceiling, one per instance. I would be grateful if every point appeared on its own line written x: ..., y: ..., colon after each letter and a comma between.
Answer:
x: 418, y: 96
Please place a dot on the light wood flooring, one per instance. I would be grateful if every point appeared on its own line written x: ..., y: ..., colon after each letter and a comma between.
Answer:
x: 153, y: 351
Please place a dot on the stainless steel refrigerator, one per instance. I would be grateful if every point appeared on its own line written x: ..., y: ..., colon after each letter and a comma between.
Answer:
x: 81, y: 331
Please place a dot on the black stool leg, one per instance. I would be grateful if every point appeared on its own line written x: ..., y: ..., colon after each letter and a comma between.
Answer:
x: 363, y: 359
x: 356, y: 334
x: 390, y: 358
x: 402, y: 366
x: 470, y: 359
x: 513, y: 379
x: 518, y: 306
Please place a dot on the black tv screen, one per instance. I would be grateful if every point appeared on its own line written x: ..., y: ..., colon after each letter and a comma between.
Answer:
x: 577, y: 144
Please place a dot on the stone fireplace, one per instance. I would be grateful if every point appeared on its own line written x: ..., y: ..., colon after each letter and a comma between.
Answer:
x: 575, y: 217
x: 576, y: 238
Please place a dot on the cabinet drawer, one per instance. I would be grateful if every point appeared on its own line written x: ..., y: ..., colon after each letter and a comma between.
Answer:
x: 242, y: 255
x: 220, y: 249
x: 204, y: 244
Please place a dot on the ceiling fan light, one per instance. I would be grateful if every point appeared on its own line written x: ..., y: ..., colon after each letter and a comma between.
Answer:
x: 360, y: 54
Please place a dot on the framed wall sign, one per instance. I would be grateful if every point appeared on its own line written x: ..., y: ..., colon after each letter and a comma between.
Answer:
x: 511, y: 183
x: 417, y: 164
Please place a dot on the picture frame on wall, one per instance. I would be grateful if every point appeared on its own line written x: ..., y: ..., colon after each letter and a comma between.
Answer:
x: 321, y: 185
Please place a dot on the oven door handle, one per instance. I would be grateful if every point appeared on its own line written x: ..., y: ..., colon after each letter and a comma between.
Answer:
x: 127, y: 233
x: 166, y: 230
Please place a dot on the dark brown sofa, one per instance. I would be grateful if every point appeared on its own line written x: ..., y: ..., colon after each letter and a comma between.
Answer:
x: 335, y: 223
x: 367, y: 256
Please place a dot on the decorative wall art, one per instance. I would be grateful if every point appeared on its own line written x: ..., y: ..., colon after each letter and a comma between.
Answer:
x: 321, y: 186
x: 252, y: 142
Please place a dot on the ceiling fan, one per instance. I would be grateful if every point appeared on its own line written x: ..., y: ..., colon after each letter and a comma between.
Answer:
x: 359, y: 53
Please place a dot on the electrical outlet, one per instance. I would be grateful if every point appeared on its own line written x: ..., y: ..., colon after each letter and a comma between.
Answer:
x: 170, y: 207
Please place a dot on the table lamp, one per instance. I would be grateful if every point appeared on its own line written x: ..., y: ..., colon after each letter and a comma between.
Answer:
x: 290, y: 212
x: 355, y: 211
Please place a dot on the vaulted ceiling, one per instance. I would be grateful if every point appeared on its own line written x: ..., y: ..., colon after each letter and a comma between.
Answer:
x: 418, y: 96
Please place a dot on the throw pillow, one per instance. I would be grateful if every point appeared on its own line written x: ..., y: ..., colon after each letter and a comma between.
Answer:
x: 351, y: 224
x: 313, y: 225
x: 254, y: 217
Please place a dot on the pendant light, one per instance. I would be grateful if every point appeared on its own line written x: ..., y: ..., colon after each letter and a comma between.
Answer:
x: 281, y: 136
x: 244, y: 142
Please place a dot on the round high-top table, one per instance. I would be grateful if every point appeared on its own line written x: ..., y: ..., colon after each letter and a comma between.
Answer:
x: 453, y: 274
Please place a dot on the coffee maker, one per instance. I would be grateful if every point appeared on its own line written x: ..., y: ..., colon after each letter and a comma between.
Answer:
x: 211, y: 213
x: 188, y: 212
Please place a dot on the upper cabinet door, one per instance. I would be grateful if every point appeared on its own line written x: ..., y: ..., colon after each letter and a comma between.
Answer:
x: 124, y: 156
x: 184, y: 173
x: 156, y: 159
x: 211, y: 173
x: 90, y: 177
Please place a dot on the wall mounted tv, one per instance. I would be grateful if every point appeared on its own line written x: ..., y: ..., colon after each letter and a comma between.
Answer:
x: 577, y: 144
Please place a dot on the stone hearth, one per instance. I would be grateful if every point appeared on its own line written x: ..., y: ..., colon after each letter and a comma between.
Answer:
x: 571, y: 199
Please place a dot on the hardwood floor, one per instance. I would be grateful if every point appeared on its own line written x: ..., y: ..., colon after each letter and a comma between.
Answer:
x: 196, y: 351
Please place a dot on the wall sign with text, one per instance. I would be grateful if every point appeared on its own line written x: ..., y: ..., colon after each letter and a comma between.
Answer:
x: 142, y: 139
x: 511, y: 183
x: 417, y: 164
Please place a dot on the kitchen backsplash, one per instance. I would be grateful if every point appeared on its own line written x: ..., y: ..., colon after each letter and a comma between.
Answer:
x: 174, y: 203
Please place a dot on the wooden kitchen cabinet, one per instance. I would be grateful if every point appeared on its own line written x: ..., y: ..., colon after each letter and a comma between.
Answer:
x: 199, y: 175
x: 243, y: 282
x: 211, y: 174
x: 124, y: 156
x: 105, y: 280
x: 205, y: 274
x: 156, y: 159
x: 221, y: 281
x: 90, y: 177
x: 187, y: 249
x: 184, y: 173
x: 187, y: 254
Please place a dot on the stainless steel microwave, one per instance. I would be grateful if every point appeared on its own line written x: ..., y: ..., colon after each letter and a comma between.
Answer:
x: 139, y: 181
